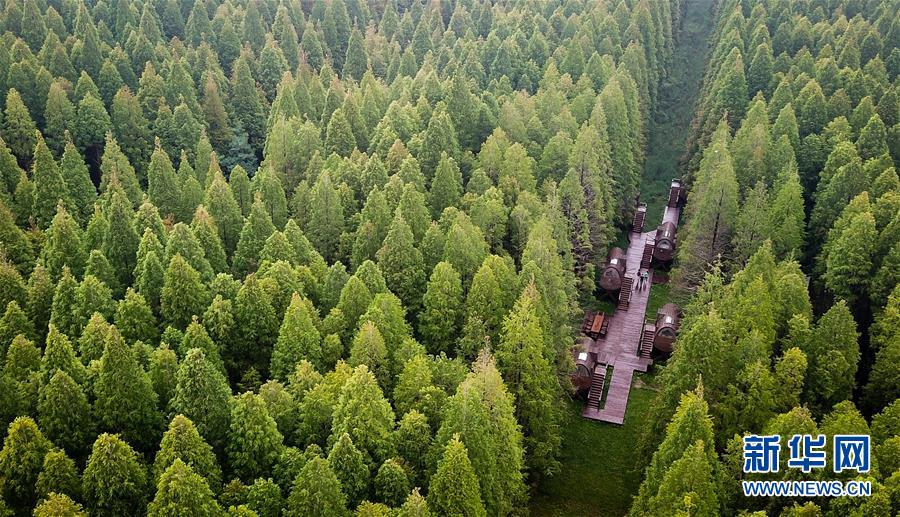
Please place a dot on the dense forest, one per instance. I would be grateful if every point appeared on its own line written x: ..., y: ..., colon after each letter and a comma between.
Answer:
x: 328, y: 257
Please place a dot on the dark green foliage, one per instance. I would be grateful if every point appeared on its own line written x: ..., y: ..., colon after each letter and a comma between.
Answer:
x: 125, y: 400
x: 21, y: 460
x: 391, y: 484
x: 181, y: 491
x: 114, y: 481
x: 316, y: 491
x: 254, y: 442
x: 454, y: 488
x: 298, y: 340
x: 59, y: 476
x: 203, y: 396
x: 350, y: 467
x: 183, y: 295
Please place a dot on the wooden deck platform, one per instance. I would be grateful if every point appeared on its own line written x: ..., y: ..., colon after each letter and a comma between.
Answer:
x: 620, y: 349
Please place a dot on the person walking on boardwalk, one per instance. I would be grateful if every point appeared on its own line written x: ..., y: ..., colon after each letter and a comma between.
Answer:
x: 645, y: 277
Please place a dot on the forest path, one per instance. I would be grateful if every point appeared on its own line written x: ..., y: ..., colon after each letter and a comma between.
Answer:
x: 677, y: 96
x: 599, y: 474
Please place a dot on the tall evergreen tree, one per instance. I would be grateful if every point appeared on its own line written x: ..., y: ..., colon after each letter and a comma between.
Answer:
x: 454, y: 489
x: 125, y: 400
x: 114, y: 481
x: 254, y: 443
x: 49, y: 187
x: 202, y: 395
x: 183, y: 492
x: 522, y: 360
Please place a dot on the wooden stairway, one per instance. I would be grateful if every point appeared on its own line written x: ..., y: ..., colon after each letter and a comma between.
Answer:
x: 647, y: 256
x: 674, y: 194
x: 596, y: 391
x: 625, y: 293
x: 646, y: 342
x: 637, y: 224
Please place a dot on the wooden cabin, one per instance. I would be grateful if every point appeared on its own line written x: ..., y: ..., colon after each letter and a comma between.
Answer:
x: 664, y: 247
x: 677, y: 193
x: 614, y: 271
x: 584, y: 367
x: 667, y: 320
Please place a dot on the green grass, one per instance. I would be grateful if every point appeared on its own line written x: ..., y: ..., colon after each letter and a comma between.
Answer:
x: 598, y: 475
x: 659, y: 296
x: 672, y: 118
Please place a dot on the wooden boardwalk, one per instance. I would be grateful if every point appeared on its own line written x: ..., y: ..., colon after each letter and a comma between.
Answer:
x: 620, y: 347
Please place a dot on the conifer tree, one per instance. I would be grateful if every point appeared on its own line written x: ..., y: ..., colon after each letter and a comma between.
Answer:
x: 202, y: 395
x: 298, y: 340
x: 258, y: 321
x: 14, y: 323
x: 402, y: 264
x: 446, y: 187
x: 368, y: 348
x: 121, y: 242
x: 60, y: 356
x: 49, y: 187
x: 481, y: 414
x: 92, y: 123
x: 204, y: 228
x: 82, y: 192
x: 21, y: 460
x: 59, y: 476
x: 134, y: 319
x: 114, y: 481
x: 183, y: 492
x: 62, y: 311
x: 711, y: 218
x: 690, y: 425
x: 183, y: 295
x: 246, y: 106
x: 91, y: 296
x: 439, y: 323
x: 18, y: 129
x: 689, y: 485
x: 357, y: 60
x: 256, y: 230
x: 326, y: 217
x: 125, y: 400
x: 225, y: 211
x: 65, y: 415
x: 349, y: 465
x: 130, y: 127
x: 162, y: 183
x: 439, y: 138
x: 786, y: 216
x: 182, y: 442
x: 363, y: 413
x: 454, y: 489
x: 58, y: 505
x: 522, y: 359
x: 316, y: 491
x: 254, y: 442
x: 849, y: 260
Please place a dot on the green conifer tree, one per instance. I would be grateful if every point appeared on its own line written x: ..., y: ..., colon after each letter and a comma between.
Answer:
x: 183, y: 492
x: 454, y: 489
x: 114, y: 481
x: 202, y: 395
x: 254, y: 443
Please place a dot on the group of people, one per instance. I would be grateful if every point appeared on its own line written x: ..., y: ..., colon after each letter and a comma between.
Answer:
x: 643, y: 280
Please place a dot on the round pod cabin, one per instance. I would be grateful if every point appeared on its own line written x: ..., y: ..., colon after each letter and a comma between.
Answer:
x: 584, y: 366
x: 667, y: 320
x: 664, y: 250
x: 614, y: 271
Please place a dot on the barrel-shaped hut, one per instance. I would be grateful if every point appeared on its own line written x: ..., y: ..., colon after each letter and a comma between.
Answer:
x: 664, y: 248
x: 667, y: 321
x: 613, y: 271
